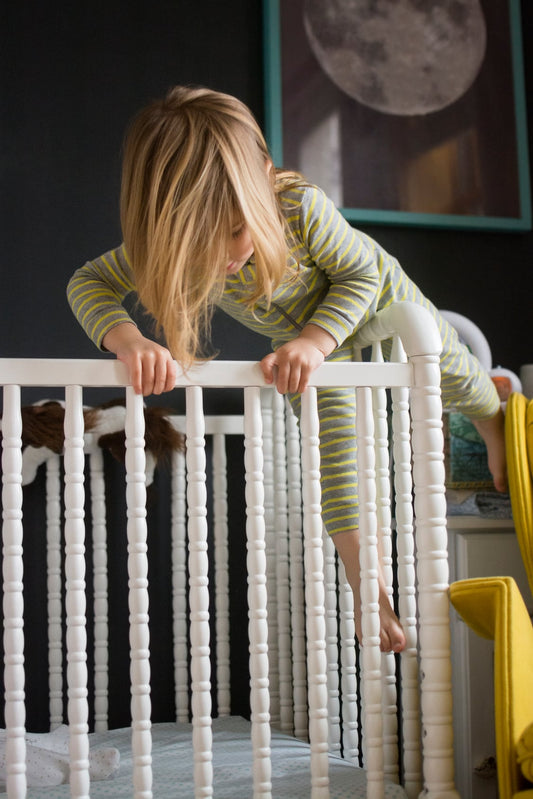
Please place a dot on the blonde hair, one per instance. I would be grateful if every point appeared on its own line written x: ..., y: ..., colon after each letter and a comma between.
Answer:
x: 195, y: 165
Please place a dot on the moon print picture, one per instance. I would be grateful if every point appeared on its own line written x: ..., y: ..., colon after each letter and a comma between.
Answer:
x: 402, y: 110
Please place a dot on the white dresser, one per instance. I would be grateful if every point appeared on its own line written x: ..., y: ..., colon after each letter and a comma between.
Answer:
x: 478, y: 548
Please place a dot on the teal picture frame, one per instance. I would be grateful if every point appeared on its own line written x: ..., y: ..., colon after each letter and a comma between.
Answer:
x: 277, y: 88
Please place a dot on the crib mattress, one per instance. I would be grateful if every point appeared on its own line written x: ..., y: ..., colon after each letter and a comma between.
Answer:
x: 232, y: 756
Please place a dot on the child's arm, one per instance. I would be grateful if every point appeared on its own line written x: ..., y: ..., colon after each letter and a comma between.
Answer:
x: 95, y: 293
x: 151, y: 367
x: 291, y: 364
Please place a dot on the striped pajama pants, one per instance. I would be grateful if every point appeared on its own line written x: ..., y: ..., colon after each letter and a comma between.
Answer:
x: 465, y: 385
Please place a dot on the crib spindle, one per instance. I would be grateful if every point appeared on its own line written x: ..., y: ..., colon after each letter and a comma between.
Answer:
x: 54, y: 582
x: 138, y: 596
x: 407, y: 602
x: 314, y: 596
x: 257, y: 593
x: 332, y: 652
x: 370, y: 622
x: 349, y: 687
x: 383, y: 496
x: 432, y: 561
x: 179, y: 586
x: 101, y: 629
x: 267, y: 436
x: 296, y: 574
x: 13, y: 602
x: 199, y: 595
x: 75, y: 602
x: 220, y: 530
x: 282, y: 564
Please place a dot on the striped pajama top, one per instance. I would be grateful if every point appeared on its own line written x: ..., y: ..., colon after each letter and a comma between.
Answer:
x: 337, y: 278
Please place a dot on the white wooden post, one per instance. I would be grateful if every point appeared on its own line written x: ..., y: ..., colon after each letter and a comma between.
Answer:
x: 433, y: 575
x: 199, y: 595
x: 370, y: 622
x: 101, y: 629
x: 54, y: 590
x: 138, y: 596
x: 179, y: 586
x: 403, y: 485
x: 299, y: 655
x: 314, y: 596
x: 281, y: 531
x: 78, y: 711
x: 257, y: 594
x: 220, y: 529
x: 13, y: 602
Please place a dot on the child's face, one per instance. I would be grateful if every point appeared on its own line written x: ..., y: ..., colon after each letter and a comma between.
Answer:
x: 240, y: 249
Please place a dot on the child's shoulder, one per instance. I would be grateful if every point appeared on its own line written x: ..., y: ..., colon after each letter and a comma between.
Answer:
x: 301, y: 197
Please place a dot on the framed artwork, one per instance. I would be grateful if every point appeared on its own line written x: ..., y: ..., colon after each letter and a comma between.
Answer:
x: 404, y: 113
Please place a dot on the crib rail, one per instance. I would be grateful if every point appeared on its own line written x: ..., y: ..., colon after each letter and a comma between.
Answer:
x: 413, y: 378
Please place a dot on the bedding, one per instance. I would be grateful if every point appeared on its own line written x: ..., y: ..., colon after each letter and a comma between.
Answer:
x: 232, y: 757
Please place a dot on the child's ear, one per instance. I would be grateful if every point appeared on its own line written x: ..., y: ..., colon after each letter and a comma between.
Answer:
x: 269, y: 166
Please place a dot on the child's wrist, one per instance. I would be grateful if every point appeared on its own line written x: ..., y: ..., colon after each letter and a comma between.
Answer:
x: 319, y: 338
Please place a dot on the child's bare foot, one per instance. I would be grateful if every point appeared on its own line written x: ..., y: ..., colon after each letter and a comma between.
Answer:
x: 392, y: 636
x: 492, y: 431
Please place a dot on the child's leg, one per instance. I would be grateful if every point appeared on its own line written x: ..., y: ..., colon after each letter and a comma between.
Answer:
x: 492, y: 431
x: 468, y: 389
x: 391, y: 633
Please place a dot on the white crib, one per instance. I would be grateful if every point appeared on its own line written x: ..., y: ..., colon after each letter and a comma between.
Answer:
x: 305, y: 680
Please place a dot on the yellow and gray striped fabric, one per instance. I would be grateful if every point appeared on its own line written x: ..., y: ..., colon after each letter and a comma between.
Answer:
x: 338, y: 277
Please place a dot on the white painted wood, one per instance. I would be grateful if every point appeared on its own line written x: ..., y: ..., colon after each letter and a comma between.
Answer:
x: 332, y: 644
x: 54, y: 590
x: 433, y: 577
x: 407, y: 602
x: 296, y: 575
x: 422, y: 345
x: 257, y: 594
x: 281, y: 530
x: 478, y: 547
x: 214, y: 374
x: 199, y: 595
x: 370, y: 652
x: 349, y: 686
x: 100, y: 587
x: 75, y: 602
x: 13, y: 602
x: 384, y: 521
x: 314, y: 596
x: 179, y: 586
x: 270, y: 551
x: 138, y: 596
x: 220, y: 527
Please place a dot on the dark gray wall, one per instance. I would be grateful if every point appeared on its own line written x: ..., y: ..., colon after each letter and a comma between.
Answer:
x: 73, y: 74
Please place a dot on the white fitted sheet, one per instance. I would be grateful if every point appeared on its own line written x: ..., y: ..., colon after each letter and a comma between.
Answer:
x: 232, y: 759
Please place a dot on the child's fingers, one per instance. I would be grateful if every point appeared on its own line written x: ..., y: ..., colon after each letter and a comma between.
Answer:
x: 267, y: 365
x: 136, y: 374
x: 164, y: 375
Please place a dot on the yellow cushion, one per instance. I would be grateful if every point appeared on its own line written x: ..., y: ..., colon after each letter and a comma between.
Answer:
x: 529, y: 435
x: 494, y: 608
x: 517, y: 444
x: 524, y: 752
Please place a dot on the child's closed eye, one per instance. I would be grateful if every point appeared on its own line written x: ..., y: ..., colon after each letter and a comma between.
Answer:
x: 237, y: 232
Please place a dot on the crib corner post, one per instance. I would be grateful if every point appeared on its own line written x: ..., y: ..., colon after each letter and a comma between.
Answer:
x: 433, y: 577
